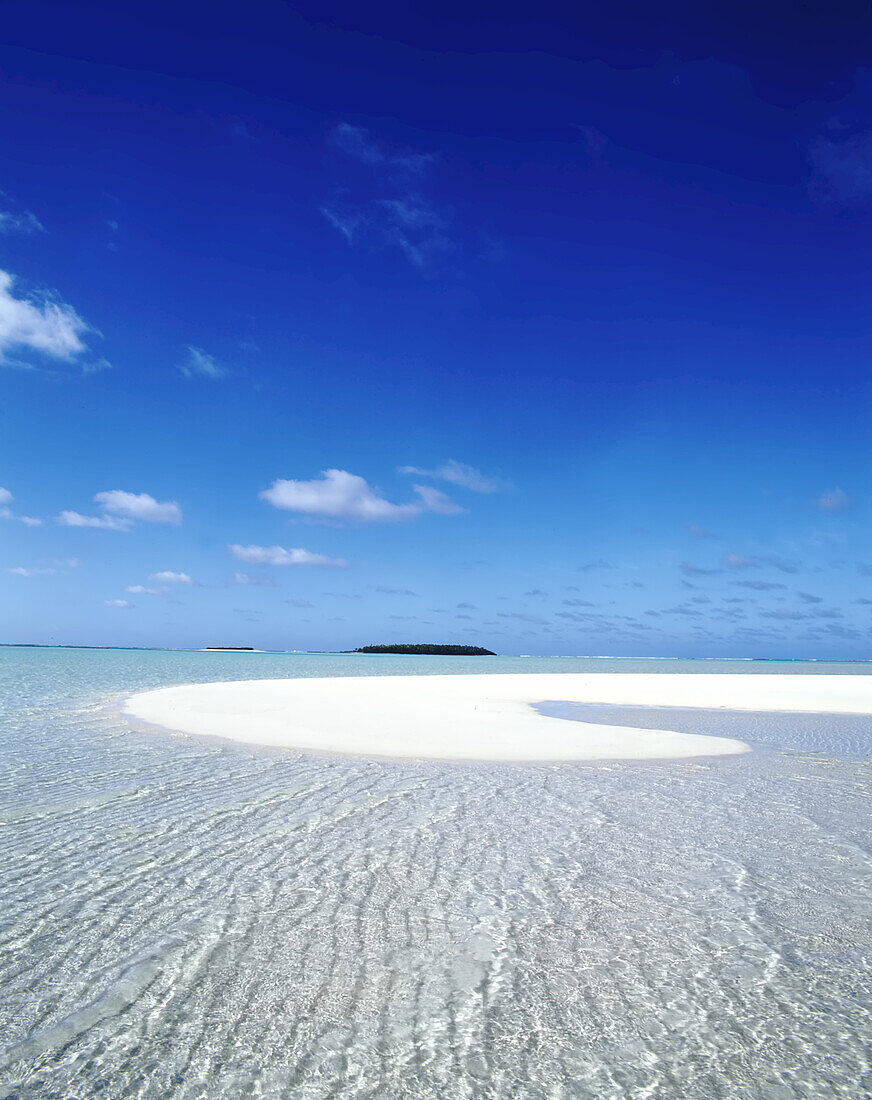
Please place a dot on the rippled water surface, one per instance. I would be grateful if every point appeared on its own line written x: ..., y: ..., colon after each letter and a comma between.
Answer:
x: 188, y: 918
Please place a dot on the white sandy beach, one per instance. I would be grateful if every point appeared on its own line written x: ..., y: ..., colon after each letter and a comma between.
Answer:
x: 483, y: 717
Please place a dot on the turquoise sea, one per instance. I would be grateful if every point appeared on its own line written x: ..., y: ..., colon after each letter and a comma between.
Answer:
x: 192, y: 918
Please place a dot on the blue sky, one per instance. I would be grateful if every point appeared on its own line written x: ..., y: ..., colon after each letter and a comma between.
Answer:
x: 321, y: 326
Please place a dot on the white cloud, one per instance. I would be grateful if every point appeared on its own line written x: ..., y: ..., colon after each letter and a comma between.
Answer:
x: 5, y: 496
x: 833, y: 500
x: 139, y: 506
x: 23, y: 571
x: 248, y: 579
x: 107, y: 523
x: 118, y: 603
x: 338, y: 494
x: 458, y: 473
x: 278, y: 555
x: 44, y: 325
x: 143, y: 590
x: 122, y: 509
x: 201, y: 364
x: 168, y: 577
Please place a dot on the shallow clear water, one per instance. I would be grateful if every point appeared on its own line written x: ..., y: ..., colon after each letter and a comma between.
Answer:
x: 189, y: 918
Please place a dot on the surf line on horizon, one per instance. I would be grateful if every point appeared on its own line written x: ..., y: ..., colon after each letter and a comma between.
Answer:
x: 484, y: 717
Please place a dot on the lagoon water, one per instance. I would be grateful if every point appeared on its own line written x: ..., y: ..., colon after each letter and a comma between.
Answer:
x: 195, y: 918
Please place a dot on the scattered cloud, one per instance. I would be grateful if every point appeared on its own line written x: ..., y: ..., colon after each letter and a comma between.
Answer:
x: 338, y: 494
x: 807, y: 597
x: 833, y: 500
x: 41, y: 324
x: 458, y: 473
x: 144, y: 590
x: 700, y: 532
x: 29, y: 571
x: 166, y: 576
x: 598, y: 564
x: 200, y: 364
x: 121, y: 510
x: 118, y: 603
x: 300, y: 603
x: 864, y: 569
x: 278, y: 555
x: 395, y: 591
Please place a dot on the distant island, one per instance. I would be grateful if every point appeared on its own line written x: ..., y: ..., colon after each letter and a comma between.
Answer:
x: 235, y: 648
x: 430, y: 650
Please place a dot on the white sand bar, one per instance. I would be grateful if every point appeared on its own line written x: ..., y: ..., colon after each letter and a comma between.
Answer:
x: 483, y: 717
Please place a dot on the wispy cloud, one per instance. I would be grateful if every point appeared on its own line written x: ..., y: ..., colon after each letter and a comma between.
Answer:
x: 145, y: 590
x: 45, y: 570
x: 842, y: 167
x: 700, y: 532
x: 833, y: 500
x: 124, y: 604
x: 689, y: 569
x: 278, y: 555
x: 44, y: 325
x: 340, y: 495
x: 759, y: 561
x: 121, y: 510
x: 384, y: 205
x: 167, y: 576
x: 759, y: 586
x: 20, y: 222
x: 600, y: 563
x: 458, y: 473
x: 200, y: 364
x: 249, y: 579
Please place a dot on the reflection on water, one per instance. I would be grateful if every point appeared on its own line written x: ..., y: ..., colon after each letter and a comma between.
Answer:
x: 188, y: 918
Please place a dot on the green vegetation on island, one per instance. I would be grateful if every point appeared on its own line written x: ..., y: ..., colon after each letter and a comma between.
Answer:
x: 429, y: 650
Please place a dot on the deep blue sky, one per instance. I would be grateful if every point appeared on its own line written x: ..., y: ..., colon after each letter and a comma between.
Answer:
x: 601, y: 279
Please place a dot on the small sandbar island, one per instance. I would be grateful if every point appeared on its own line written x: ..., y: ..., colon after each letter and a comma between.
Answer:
x: 484, y: 717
